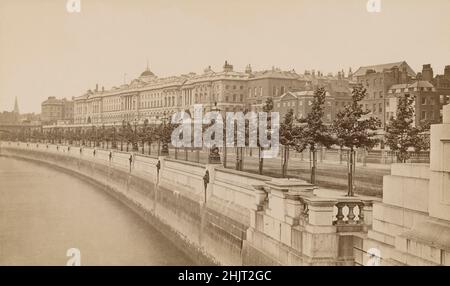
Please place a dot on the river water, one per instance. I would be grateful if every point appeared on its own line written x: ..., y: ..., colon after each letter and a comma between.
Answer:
x: 44, y: 212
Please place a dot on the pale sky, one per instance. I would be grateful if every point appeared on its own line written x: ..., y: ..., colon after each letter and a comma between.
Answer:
x: 46, y: 51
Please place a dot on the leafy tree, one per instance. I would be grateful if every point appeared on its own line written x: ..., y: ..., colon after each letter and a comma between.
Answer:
x: 312, y: 132
x: 353, y: 129
x: 287, y: 136
x: 146, y: 135
x: 401, y: 134
x: 424, y: 136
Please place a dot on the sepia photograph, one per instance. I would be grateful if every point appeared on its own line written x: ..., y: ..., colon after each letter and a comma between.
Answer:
x: 251, y: 133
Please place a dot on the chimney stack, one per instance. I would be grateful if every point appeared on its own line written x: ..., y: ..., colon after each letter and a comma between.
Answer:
x: 427, y: 72
x: 447, y: 72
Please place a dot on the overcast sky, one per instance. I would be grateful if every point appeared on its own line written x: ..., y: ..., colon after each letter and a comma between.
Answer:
x: 46, y: 51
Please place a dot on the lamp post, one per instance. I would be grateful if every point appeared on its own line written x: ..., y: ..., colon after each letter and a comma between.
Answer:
x: 214, y: 156
x: 135, y: 143
x: 163, y: 137
x: 114, y: 145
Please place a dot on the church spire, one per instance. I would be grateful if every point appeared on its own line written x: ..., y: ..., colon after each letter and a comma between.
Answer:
x: 16, y: 106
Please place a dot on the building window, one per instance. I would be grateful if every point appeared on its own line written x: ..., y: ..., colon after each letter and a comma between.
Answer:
x: 423, y: 115
x: 423, y: 100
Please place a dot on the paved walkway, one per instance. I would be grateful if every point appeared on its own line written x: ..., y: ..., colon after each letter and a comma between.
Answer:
x: 332, y: 193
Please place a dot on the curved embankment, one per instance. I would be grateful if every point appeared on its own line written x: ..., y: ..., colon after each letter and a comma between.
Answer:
x: 207, y: 219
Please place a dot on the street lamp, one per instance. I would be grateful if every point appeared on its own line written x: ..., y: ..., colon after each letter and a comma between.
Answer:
x: 163, y: 136
x: 214, y: 156
x: 135, y: 147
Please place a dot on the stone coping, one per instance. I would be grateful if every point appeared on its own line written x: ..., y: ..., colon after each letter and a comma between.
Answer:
x: 244, y: 174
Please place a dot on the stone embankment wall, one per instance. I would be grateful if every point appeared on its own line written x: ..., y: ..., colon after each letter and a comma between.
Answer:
x: 216, y: 215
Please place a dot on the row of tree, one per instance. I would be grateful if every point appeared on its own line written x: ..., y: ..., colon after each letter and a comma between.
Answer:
x: 106, y: 137
x: 353, y: 128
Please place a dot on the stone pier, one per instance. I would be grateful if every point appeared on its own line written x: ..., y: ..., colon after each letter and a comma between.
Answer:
x: 411, y: 226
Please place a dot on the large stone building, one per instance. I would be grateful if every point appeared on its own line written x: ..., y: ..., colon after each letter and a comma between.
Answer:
x: 387, y: 82
x: 426, y: 101
x: 378, y: 79
x: 55, y: 110
x: 151, y: 98
x: 338, y: 95
x: 430, y: 94
x: 441, y: 83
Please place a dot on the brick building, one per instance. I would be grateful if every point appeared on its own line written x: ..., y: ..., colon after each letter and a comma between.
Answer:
x: 426, y: 100
x: 378, y: 79
x: 54, y: 110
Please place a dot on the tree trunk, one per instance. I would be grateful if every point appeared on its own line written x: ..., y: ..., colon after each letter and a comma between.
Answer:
x: 261, y: 161
x: 239, y: 158
x: 285, y: 159
x: 350, y: 172
x: 224, y: 155
x: 314, y: 166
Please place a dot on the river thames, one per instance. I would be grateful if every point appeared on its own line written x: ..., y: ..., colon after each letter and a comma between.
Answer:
x: 45, y: 212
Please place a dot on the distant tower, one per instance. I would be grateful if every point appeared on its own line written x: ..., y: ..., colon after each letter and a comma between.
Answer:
x: 248, y: 69
x: 227, y: 67
x: 16, y: 106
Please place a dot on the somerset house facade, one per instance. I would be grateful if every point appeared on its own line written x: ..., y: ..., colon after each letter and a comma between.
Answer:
x: 149, y: 97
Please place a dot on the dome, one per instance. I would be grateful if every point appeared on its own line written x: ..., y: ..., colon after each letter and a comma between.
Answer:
x: 147, y: 72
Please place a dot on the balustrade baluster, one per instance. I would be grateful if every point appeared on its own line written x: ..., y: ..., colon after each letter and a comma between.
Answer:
x: 340, y: 214
x: 351, y: 215
x: 361, y: 213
